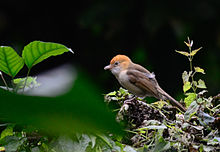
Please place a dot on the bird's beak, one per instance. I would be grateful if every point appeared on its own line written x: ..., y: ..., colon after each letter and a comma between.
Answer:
x: 108, y: 67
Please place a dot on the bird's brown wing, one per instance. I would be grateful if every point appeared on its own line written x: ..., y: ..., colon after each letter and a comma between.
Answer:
x: 150, y: 87
x: 142, y: 81
x: 139, y: 68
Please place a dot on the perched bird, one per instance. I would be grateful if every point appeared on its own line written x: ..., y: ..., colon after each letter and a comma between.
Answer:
x: 138, y: 80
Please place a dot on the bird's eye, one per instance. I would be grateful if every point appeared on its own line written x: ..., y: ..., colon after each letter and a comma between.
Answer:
x: 116, y: 63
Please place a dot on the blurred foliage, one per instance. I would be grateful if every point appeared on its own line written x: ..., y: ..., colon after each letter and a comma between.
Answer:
x: 66, y: 113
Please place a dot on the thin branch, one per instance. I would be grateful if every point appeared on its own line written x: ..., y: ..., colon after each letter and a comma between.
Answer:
x: 25, y: 82
x: 4, y: 81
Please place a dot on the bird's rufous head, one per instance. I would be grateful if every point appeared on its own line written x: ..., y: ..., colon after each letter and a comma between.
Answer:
x: 118, y: 63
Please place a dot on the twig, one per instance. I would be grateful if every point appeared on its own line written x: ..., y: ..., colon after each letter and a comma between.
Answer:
x: 4, y: 81
x: 25, y: 82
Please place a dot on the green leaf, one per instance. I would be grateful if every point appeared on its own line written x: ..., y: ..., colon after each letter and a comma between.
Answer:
x: 7, y: 132
x: 112, y: 93
x: 123, y: 91
x: 105, y: 139
x: 199, y: 70
x: 21, y: 80
x: 186, y: 86
x: 31, y: 82
x: 161, y: 145
x: 10, y: 62
x: 195, y: 51
x: 187, y: 44
x: 191, y: 111
x: 38, y: 51
x: 201, y: 84
x: 13, y: 143
x: 189, y: 99
x: 183, y: 53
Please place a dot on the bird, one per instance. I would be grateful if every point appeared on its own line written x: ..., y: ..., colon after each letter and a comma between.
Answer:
x: 138, y: 80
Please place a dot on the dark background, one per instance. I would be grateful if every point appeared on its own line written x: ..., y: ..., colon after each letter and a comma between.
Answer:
x: 147, y: 31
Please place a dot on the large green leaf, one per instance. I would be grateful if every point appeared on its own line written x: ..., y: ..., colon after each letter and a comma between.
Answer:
x: 80, y: 110
x: 10, y: 62
x: 38, y: 51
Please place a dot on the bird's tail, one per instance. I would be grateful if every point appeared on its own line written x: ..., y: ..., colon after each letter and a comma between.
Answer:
x: 166, y: 96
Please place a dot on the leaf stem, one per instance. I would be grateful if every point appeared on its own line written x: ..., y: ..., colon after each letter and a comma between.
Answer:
x: 4, y: 81
x: 25, y: 82
x: 191, y: 69
x: 13, y: 86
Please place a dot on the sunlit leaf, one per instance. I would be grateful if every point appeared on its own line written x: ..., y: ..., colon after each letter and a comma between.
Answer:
x: 21, y: 80
x: 12, y: 143
x: 195, y: 51
x: 10, y: 62
x: 186, y: 86
x: 123, y: 91
x: 7, y: 132
x: 200, y: 70
x: 160, y: 103
x: 201, y: 84
x: 189, y: 99
x: 189, y: 44
x: 112, y: 93
x: 183, y: 53
x: 38, y: 51
x: 30, y: 83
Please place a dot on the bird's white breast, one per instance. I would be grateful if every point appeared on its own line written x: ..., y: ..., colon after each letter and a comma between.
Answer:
x: 123, y: 79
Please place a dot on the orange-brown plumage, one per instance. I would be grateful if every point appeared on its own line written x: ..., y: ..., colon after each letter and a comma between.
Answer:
x: 119, y: 58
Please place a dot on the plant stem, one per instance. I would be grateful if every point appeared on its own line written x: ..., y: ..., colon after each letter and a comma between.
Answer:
x: 4, y: 81
x: 191, y: 69
x: 25, y: 82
